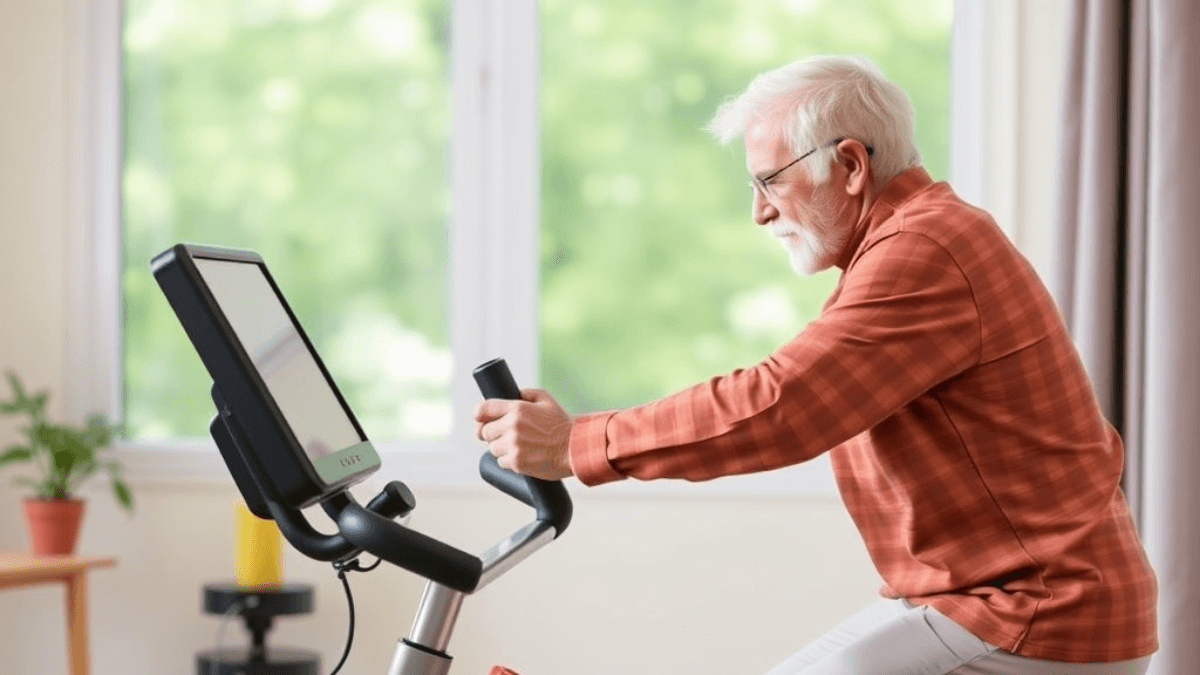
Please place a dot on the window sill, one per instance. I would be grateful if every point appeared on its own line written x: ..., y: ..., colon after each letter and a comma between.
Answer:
x: 196, y: 462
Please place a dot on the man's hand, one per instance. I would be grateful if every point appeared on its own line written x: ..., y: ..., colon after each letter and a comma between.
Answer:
x: 529, y: 436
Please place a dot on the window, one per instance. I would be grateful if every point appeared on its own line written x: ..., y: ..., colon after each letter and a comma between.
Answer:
x: 316, y: 133
x: 438, y: 183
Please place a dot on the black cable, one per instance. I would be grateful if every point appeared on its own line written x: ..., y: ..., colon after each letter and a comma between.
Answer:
x: 343, y: 566
x: 350, y: 635
x: 367, y: 569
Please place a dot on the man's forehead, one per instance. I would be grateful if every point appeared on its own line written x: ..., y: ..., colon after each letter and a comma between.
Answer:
x: 764, y: 129
x: 765, y: 144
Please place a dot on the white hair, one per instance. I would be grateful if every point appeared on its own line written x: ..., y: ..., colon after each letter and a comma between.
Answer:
x: 824, y: 98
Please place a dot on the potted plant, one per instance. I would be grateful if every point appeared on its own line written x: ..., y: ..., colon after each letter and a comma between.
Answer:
x: 63, y: 457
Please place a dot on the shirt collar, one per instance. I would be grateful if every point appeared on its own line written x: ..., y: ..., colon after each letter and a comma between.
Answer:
x: 899, y: 190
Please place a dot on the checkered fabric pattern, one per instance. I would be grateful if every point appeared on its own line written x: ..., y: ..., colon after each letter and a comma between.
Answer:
x: 965, y: 438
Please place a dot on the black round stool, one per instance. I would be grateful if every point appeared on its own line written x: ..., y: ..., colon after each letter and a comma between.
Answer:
x: 258, y: 607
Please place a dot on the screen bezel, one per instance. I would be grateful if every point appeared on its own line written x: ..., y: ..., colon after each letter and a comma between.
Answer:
x: 275, y: 451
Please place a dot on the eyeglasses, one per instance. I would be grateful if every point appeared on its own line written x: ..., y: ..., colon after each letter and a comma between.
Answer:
x: 763, y: 185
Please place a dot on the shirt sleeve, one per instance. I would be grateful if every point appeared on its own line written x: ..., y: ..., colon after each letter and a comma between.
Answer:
x: 902, y: 320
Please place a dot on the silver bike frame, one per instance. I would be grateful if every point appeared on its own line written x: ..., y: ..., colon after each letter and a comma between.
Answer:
x: 423, y: 652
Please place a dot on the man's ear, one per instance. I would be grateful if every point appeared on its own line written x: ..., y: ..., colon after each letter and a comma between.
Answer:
x: 852, y: 156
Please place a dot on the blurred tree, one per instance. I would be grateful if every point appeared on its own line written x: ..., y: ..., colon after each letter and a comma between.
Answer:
x: 314, y: 133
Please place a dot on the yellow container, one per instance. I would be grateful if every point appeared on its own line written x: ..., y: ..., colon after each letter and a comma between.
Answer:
x: 259, y: 550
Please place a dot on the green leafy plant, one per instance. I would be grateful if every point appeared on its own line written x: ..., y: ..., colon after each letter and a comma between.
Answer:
x: 64, y: 456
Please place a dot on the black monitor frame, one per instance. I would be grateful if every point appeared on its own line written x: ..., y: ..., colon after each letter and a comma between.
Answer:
x: 278, y: 465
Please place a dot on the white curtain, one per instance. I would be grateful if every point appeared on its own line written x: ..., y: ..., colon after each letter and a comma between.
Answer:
x: 1128, y: 240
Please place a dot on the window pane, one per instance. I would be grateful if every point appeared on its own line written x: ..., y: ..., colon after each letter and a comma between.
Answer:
x: 315, y: 133
x: 653, y: 274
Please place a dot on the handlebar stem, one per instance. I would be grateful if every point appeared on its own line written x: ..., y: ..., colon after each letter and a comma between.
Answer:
x: 436, y: 616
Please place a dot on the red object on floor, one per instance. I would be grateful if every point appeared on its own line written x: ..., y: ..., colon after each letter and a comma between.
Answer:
x: 501, y: 670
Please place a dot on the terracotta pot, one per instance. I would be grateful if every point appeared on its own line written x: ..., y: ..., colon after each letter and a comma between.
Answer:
x: 53, y: 525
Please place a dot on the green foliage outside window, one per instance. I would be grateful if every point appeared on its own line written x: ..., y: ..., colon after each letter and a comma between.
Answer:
x: 653, y: 274
x: 317, y: 133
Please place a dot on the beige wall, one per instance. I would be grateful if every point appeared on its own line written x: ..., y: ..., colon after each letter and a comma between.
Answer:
x: 672, y: 586
x: 641, y: 583
x: 33, y: 179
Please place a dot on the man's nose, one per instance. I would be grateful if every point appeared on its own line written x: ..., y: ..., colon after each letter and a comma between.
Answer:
x: 764, y: 211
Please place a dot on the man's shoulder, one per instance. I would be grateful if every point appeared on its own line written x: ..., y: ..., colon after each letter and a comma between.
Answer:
x: 941, y: 215
x: 967, y: 234
x: 1015, y: 307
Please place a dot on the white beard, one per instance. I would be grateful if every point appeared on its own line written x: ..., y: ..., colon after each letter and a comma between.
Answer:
x: 813, y: 247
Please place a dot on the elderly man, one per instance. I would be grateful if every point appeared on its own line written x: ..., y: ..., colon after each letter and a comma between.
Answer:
x: 964, y: 435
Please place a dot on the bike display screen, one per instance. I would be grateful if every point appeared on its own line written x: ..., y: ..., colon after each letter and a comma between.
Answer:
x: 281, y: 357
x: 262, y: 352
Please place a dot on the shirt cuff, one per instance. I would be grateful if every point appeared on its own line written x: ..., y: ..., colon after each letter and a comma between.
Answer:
x: 588, y: 449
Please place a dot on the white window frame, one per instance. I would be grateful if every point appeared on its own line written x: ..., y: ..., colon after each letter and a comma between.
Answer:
x: 493, y: 231
x: 1007, y: 72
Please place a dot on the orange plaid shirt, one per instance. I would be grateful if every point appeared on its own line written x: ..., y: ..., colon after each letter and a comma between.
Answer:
x: 966, y: 440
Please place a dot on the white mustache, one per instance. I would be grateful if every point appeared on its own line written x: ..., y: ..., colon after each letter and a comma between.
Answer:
x: 783, y: 229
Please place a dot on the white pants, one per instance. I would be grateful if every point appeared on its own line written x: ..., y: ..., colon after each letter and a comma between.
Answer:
x: 893, y: 637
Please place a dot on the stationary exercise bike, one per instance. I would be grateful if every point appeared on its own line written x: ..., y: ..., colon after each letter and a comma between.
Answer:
x: 290, y: 441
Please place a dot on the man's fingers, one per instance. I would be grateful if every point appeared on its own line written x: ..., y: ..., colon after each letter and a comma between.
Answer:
x: 535, y: 395
x: 504, y: 452
x: 487, y: 415
x: 503, y: 462
x: 490, y: 432
x: 493, y: 408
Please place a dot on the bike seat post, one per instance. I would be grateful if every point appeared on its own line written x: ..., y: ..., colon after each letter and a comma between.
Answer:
x: 423, y: 652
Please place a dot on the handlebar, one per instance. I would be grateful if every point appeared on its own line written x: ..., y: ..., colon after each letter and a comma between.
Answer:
x: 549, y: 498
x: 372, y: 529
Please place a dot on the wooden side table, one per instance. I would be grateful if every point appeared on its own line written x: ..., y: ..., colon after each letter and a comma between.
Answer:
x: 23, y: 569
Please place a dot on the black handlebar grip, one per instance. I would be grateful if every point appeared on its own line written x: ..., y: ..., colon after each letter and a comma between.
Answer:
x: 495, y: 380
x: 548, y: 497
x: 394, y: 501
x: 508, y: 482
